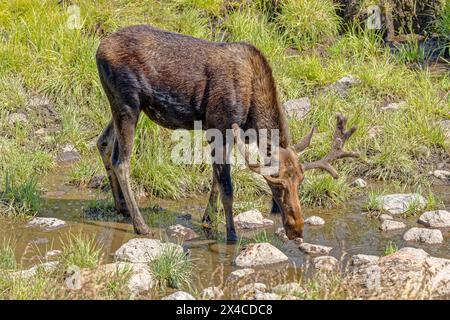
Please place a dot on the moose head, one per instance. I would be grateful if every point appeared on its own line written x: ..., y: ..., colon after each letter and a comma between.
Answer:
x: 284, y: 183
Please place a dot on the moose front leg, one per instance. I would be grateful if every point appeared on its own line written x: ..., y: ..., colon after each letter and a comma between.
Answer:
x: 211, y: 208
x: 222, y: 173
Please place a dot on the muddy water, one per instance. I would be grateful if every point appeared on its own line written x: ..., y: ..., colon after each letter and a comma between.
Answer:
x: 348, y: 230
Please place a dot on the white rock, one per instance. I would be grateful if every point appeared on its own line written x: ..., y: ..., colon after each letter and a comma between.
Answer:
x: 394, y: 106
x: 212, y: 293
x: 281, y: 233
x: 442, y: 174
x: 360, y: 183
x: 297, y: 108
x: 400, y: 203
x: 435, y: 219
x: 315, y: 221
x: 17, y: 117
x: 252, y: 288
x: 73, y: 278
x: 364, y: 259
x: 389, y: 225
x: 326, y: 263
x: 47, y: 224
x: 291, y: 288
x: 181, y: 232
x: 429, y: 236
x: 251, y: 219
x: 141, y: 279
x: 342, y: 85
x: 240, y: 274
x: 259, y: 254
x: 266, y: 296
x: 143, y: 250
x: 179, y: 295
x: 315, y: 249
x: 46, y: 267
x: 384, y: 217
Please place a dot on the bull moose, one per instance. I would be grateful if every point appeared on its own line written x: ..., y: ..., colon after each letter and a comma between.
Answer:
x: 177, y: 79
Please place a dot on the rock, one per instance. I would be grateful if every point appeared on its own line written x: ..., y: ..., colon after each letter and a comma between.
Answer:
x: 441, y: 174
x: 315, y: 249
x: 97, y: 181
x: 212, y: 293
x: 281, y: 233
x: 259, y: 254
x: 46, y: 224
x: 17, y: 117
x: 384, y: 217
x: 40, y: 132
x: 408, y: 273
x: 394, y: 106
x: 266, y: 296
x: 251, y: 219
x: 252, y: 288
x: 286, y: 289
x: 68, y: 154
x: 179, y: 295
x: 143, y: 250
x: 445, y: 124
x: 400, y: 203
x: 297, y: 108
x: 326, y: 263
x: 240, y: 274
x: 429, y: 236
x: 435, y: 219
x: 375, y: 131
x: 52, y: 254
x: 38, y: 101
x: 141, y: 279
x: 315, y: 221
x: 46, y: 267
x: 359, y: 183
x: 364, y: 259
x: 289, y: 297
x: 181, y: 232
x: 73, y: 278
x: 343, y: 85
x: 389, y: 225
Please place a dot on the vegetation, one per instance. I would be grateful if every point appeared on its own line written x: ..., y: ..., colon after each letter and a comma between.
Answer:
x: 81, y: 250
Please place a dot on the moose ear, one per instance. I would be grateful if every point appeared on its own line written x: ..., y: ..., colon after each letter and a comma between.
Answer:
x: 305, y: 142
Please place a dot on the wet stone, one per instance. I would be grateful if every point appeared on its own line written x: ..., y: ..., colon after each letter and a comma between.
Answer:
x: 315, y: 249
x: 181, y: 232
x: 400, y: 203
x: 390, y: 225
x: 259, y: 254
x: 364, y: 259
x: 251, y: 219
x: 429, y: 236
x: 315, y: 221
x: 435, y: 219
x: 46, y: 224
x: 179, y: 295
x: 384, y: 217
x: 240, y: 274
x: 252, y: 288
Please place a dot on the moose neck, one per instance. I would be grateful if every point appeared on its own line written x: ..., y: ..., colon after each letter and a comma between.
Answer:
x: 267, y: 111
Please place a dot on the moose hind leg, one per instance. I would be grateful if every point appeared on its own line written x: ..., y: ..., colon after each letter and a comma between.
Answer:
x: 211, y: 208
x: 125, y: 120
x: 105, y: 145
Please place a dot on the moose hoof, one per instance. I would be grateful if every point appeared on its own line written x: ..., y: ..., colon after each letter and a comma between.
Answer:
x: 232, y: 237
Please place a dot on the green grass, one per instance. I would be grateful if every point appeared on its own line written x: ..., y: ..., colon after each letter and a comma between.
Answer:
x: 391, y: 248
x: 20, y: 200
x: 323, y: 190
x: 81, y: 250
x: 172, y: 268
x: 7, y: 255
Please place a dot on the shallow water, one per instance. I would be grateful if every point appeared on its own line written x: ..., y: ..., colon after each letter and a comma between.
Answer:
x: 348, y: 230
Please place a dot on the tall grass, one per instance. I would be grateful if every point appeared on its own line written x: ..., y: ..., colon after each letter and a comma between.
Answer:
x: 81, y: 250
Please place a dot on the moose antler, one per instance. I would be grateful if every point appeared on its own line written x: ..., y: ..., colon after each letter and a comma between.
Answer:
x: 337, y: 152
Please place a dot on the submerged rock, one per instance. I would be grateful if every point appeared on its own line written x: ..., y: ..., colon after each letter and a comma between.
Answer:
x: 259, y: 254
x: 429, y: 236
x: 297, y: 108
x: 326, y: 263
x: 212, y: 293
x: 251, y: 219
x: 46, y: 224
x: 143, y: 250
x: 384, y: 217
x: 315, y: 221
x: 435, y: 219
x: 315, y: 249
x: 240, y: 274
x: 389, y: 225
x: 181, y: 232
x: 400, y: 203
x: 179, y: 295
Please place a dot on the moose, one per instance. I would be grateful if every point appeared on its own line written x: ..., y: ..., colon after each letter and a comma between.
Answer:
x: 177, y: 79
